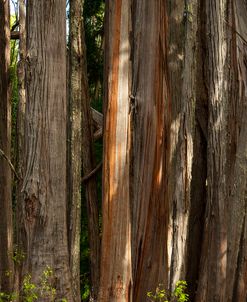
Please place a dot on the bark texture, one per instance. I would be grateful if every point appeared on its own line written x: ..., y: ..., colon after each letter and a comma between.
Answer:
x: 21, y: 88
x: 223, y: 264
x: 150, y: 121
x: 236, y: 288
x: 44, y: 185
x: 182, y: 58
x: 20, y: 130
x: 116, y: 269
x: 136, y: 151
x: 6, y: 228
x: 75, y: 142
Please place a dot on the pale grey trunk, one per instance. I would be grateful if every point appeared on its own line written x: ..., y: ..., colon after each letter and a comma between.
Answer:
x: 6, y: 228
x: 44, y: 185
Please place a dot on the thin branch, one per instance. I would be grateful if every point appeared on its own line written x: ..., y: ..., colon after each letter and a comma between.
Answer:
x: 89, y: 175
x: 97, y: 117
x: 9, y: 162
x: 17, y: 23
x: 15, y: 35
x: 98, y: 134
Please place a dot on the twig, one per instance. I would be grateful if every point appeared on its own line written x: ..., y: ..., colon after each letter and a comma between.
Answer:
x: 15, y: 35
x: 17, y: 23
x: 9, y: 162
x: 89, y: 175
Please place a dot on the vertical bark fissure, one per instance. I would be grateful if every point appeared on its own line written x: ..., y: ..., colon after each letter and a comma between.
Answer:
x: 199, y: 166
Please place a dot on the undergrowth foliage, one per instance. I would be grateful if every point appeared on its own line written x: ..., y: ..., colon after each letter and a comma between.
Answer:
x: 178, y: 295
x: 31, y: 292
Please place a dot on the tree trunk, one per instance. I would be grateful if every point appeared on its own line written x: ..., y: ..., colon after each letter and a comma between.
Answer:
x: 6, y: 227
x: 187, y: 165
x: 236, y: 289
x: 44, y: 185
x: 20, y: 130
x: 75, y: 142
x: 150, y: 117
x: 116, y: 269
x: 223, y: 262
x: 136, y: 151
x: 21, y: 87
x: 81, y: 149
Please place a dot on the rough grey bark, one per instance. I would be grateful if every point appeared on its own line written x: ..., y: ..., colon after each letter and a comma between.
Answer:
x: 223, y: 264
x: 236, y: 288
x: 44, y: 185
x: 6, y: 228
x: 75, y: 142
x: 212, y: 278
x: 187, y: 164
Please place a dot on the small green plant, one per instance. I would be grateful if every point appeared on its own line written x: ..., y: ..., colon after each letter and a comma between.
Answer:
x: 18, y: 256
x: 8, y: 297
x: 46, y: 288
x: 178, y: 295
x: 29, y: 290
x: 180, y: 291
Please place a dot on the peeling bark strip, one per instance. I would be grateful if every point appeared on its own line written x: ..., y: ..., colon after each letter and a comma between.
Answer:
x: 44, y: 186
x: 6, y: 229
x: 116, y: 279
